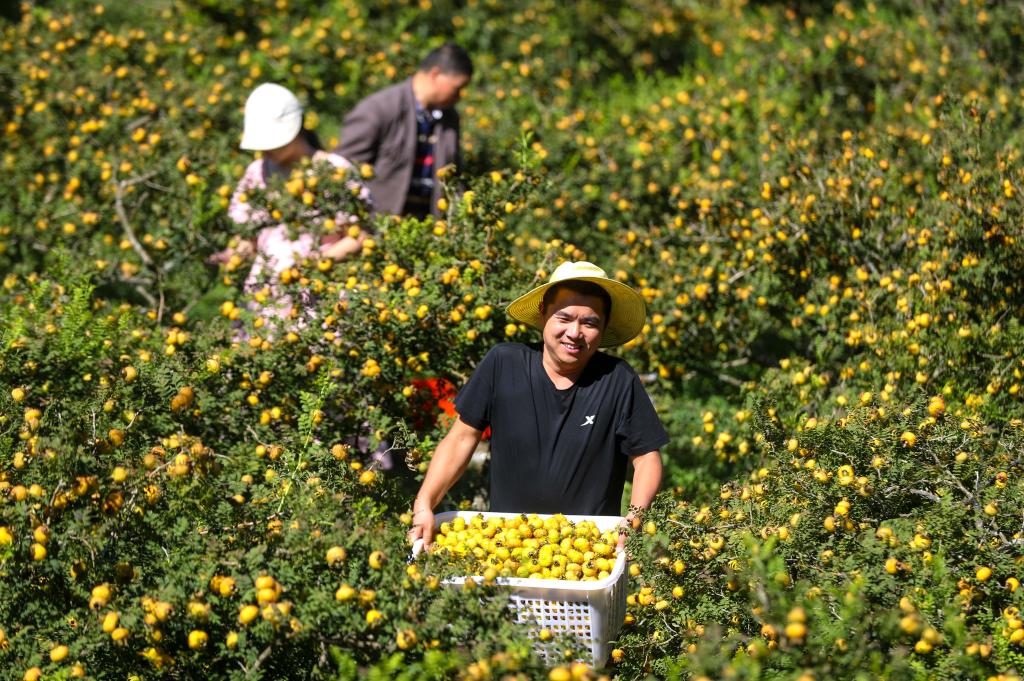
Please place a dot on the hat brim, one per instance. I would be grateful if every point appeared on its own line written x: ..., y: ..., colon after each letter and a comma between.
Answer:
x: 629, y: 311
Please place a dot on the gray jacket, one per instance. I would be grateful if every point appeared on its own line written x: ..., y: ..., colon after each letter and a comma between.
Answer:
x: 381, y: 131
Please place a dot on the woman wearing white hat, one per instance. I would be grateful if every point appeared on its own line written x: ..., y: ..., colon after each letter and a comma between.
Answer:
x: 273, y: 125
x: 565, y: 418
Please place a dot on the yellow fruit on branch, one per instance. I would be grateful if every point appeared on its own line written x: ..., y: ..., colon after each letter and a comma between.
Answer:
x: 197, y: 638
x: 335, y: 555
x: 405, y: 639
x: 796, y: 631
x: 247, y: 613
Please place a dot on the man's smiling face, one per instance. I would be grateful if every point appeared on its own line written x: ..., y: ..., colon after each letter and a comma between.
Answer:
x: 573, y: 324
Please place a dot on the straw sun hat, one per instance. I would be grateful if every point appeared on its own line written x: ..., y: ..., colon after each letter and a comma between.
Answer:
x: 628, y: 309
x: 273, y: 117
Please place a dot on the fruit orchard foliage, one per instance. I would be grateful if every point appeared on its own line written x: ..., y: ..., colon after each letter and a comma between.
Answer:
x: 820, y: 206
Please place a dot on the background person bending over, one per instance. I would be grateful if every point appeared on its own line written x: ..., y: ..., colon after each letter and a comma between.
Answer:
x: 408, y: 131
x: 565, y: 418
x: 273, y: 125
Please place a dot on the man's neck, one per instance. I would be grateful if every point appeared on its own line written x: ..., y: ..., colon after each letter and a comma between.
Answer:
x: 421, y: 90
x: 561, y: 376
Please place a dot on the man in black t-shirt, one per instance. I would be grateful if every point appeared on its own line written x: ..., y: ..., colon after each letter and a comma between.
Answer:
x: 564, y: 417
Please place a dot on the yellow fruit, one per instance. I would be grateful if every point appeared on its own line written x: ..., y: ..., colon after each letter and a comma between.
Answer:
x: 344, y: 593
x: 248, y: 613
x: 199, y: 611
x: 197, y: 639
x: 110, y: 621
x: 58, y: 653
x: 336, y: 554
x: 226, y: 586
x: 796, y: 630
x: 983, y: 573
x: 405, y: 639
x: 910, y: 623
x: 119, y: 635
x: 560, y: 674
x: 373, y: 617
x: 267, y: 595
x: 37, y: 551
x: 162, y: 610
x: 32, y: 674
x: 231, y: 640
x: 376, y: 560
x: 5, y: 536
x: 265, y: 582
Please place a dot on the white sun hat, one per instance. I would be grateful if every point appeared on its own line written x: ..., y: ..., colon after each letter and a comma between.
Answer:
x: 628, y: 313
x: 273, y: 117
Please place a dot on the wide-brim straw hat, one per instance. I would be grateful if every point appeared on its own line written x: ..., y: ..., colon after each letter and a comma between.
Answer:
x: 628, y: 315
x: 273, y: 117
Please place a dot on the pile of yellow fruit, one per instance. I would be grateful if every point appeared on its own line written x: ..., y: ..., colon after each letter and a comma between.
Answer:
x: 529, y: 547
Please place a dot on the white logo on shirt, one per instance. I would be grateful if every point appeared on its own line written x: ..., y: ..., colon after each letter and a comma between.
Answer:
x: 589, y: 420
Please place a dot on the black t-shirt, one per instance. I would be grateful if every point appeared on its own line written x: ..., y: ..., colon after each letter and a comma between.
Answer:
x: 559, y: 451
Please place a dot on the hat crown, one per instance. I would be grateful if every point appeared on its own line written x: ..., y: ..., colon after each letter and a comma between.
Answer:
x: 273, y: 117
x: 271, y: 101
x: 574, y: 270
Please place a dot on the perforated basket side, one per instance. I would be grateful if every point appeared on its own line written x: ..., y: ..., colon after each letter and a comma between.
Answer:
x: 609, y: 617
x: 560, y: 617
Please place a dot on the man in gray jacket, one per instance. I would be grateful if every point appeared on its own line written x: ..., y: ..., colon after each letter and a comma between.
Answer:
x: 408, y: 131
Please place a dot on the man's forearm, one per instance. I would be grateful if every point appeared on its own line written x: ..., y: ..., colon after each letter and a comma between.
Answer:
x: 646, y: 479
x: 450, y: 460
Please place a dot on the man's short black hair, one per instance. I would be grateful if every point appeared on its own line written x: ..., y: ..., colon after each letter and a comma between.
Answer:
x: 450, y: 59
x: 583, y: 288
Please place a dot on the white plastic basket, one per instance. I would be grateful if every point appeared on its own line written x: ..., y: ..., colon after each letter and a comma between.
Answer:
x: 592, y: 611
